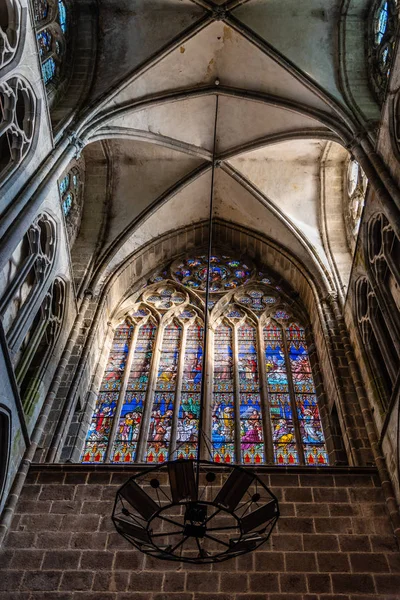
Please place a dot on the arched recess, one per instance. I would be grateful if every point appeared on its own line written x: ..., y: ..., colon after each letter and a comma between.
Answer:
x: 130, y: 277
x: 334, y: 200
x: 353, y: 61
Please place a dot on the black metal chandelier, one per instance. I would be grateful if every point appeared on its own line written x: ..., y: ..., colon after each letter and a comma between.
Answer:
x: 195, y: 510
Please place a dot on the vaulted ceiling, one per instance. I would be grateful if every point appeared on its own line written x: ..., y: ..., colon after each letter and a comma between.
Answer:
x: 264, y: 73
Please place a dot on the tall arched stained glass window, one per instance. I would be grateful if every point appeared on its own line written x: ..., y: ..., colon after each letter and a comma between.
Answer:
x: 130, y: 419
x: 189, y: 408
x: 312, y: 437
x: 283, y: 431
x: 251, y: 427
x: 223, y: 402
x: 98, y: 435
x: 159, y: 437
x: 260, y: 400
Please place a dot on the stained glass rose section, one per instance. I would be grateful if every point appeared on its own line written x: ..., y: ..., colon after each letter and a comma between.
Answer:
x: 226, y: 273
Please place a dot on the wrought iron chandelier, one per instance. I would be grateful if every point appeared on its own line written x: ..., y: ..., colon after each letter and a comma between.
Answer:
x: 195, y: 510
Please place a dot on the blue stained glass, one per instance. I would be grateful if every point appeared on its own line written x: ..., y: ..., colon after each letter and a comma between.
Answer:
x: 382, y: 23
x: 45, y: 40
x: 48, y: 70
x: 225, y: 273
x: 223, y: 412
x: 67, y: 203
x: 62, y: 16
x: 64, y: 184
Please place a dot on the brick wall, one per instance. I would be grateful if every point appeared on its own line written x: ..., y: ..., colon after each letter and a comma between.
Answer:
x: 333, y: 541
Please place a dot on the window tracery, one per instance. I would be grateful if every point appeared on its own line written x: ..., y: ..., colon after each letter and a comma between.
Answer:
x: 17, y: 123
x: 356, y: 183
x: 52, y: 29
x: 148, y: 405
x: 383, y: 24
x: 24, y: 276
x: 70, y: 188
x: 10, y: 30
x: 39, y: 343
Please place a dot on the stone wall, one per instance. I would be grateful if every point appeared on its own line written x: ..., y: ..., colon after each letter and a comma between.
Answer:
x: 333, y: 541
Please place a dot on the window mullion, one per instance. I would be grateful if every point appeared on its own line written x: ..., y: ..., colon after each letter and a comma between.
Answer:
x: 238, y: 448
x: 122, y: 391
x: 292, y: 394
x: 149, y: 400
x: 266, y: 409
x: 178, y: 392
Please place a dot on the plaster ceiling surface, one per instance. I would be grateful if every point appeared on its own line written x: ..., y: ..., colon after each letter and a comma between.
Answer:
x: 287, y: 24
x: 218, y: 51
x: 276, y: 109
x: 142, y: 172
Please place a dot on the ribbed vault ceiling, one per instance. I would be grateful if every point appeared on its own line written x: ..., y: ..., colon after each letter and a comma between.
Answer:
x: 279, y: 104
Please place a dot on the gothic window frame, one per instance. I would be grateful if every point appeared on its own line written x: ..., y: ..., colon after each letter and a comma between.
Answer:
x: 5, y: 446
x: 98, y: 446
x: 40, y: 342
x: 71, y: 190
x: 59, y: 36
x: 380, y: 45
x: 355, y: 191
x: 41, y: 245
x: 10, y: 32
x: 18, y: 106
x: 376, y: 341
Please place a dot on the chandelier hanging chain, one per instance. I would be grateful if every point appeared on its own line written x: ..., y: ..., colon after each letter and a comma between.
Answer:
x: 207, y: 299
x: 217, y: 512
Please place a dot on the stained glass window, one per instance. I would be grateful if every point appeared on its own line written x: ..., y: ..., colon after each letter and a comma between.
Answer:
x: 227, y: 273
x: 384, y: 24
x: 125, y: 444
x: 251, y: 427
x: 312, y: 436
x: 51, y: 27
x: 283, y: 431
x: 159, y: 437
x: 223, y: 403
x: 62, y: 16
x: 262, y: 406
x: 69, y: 189
x: 41, y: 10
x: 100, y: 427
x: 189, y: 409
x: 49, y: 70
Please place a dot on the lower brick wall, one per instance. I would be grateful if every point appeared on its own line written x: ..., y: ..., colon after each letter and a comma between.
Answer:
x: 333, y: 541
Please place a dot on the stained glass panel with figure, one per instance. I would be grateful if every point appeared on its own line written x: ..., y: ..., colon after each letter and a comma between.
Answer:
x: 283, y: 431
x: 223, y: 411
x: 125, y: 445
x: 159, y: 437
x: 306, y: 400
x: 189, y: 409
x: 98, y: 435
x: 251, y: 427
x: 41, y: 10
